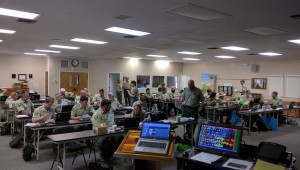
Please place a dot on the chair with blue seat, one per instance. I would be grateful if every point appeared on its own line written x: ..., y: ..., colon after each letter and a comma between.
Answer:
x: 70, y: 148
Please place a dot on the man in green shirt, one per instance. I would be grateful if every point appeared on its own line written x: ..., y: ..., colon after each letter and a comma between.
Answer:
x: 190, y: 99
x: 119, y: 91
x: 82, y: 93
x: 103, y: 114
x: 173, y: 95
x: 275, y: 101
x: 98, y: 97
x: 44, y: 112
x: 59, y: 101
x: 24, y: 106
x: 126, y: 88
x: 10, y: 102
x: 82, y: 108
x: 134, y: 92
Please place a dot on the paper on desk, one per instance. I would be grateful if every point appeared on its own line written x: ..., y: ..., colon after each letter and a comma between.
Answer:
x: 262, y: 165
x: 64, y: 102
x: 32, y: 124
x: 206, y: 157
x: 21, y: 116
x: 238, y: 164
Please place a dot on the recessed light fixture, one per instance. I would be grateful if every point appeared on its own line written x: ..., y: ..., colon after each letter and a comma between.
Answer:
x: 7, y: 31
x: 47, y: 51
x: 158, y: 56
x: 225, y: 57
x: 65, y: 47
x: 270, y: 54
x: 295, y: 41
x: 235, y: 48
x: 188, y: 53
x: 18, y: 14
x: 88, y: 41
x: 127, y: 31
x: 191, y: 59
x: 35, y: 54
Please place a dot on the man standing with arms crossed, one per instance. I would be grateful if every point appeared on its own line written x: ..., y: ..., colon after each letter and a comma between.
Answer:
x: 190, y: 100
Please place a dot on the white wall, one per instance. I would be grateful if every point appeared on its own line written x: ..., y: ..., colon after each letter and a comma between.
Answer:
x: 233, y: 72
x: 23, y: 65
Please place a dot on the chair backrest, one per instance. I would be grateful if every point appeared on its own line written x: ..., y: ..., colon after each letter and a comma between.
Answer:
x: 67, y: 129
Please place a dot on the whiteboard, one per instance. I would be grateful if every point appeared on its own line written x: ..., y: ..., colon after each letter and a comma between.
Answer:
x: 292, y: 86
x: 276, y: 83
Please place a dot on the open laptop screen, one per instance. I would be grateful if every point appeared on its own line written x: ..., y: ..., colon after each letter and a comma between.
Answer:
x: 220, y: 139
x: 153, y: 130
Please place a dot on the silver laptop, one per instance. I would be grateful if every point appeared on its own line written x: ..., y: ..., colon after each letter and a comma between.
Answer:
x: 154, y: 138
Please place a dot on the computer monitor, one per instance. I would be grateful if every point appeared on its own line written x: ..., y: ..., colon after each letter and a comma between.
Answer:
x: 219, y: 139
x: 155, y: 130
x: 35, y: 97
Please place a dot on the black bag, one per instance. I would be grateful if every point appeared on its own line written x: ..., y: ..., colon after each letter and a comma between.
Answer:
x: 17, y: 141
x: 5, y: 130
x: 27, y: 152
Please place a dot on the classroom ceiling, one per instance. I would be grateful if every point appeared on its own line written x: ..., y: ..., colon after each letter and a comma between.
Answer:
x: 62, y: 20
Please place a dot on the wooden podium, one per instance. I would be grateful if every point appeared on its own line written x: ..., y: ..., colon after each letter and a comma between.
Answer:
x: 144, y: 161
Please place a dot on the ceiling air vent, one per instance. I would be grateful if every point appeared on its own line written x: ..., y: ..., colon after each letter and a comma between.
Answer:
x: 26, y: 21
x: 213, y: 48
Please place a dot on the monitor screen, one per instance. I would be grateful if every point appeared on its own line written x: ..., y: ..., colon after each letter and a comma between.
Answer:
x: 221, y: 139
x: 155, y: 130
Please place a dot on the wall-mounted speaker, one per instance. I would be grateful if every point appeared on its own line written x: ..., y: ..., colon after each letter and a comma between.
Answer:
x: 254, y: 68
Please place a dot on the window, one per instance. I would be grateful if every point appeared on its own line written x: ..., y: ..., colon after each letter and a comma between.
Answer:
x: 64, y: 63
x: 142, y: 81
x: 172, y: 81
x: 84, y: 65
x: 157, y: 80
x: 292, y: 84
x: 275, y: 83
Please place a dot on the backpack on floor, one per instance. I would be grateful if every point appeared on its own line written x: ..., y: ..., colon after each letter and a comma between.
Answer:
x: 17, y: 141
x: 27, y: 152
x: 5, y: 130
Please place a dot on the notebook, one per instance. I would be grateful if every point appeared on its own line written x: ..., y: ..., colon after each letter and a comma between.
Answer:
x: 154, y: 138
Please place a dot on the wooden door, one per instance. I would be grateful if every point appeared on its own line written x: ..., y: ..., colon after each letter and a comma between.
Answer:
x: 73, y: 81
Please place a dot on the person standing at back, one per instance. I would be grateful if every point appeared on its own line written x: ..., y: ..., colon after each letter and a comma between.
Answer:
x: 134, y: 92
x: 119, y: 91
x: 190, y: 99
x: 126, y: 89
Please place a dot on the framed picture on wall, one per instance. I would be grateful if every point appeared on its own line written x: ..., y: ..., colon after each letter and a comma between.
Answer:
x: 259, y: 83
x: 22, y: 77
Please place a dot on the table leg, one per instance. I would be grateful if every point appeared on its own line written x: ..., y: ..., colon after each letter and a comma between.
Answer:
x: 64, y: 156
x: 249, y: 125
x: 192, y: 140
x: 38, y: 145
x: 57, y: 156
x: 24, y: 136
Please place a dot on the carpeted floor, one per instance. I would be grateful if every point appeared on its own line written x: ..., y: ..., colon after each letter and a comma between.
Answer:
x: 11, y: 159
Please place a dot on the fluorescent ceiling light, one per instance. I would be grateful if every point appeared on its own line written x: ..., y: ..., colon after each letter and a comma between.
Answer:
x: 65, y: 47
x: 295, y: 41
x: 47, y: 51
x: 191, y: 59
x: 35, y: 54
x: 127, y: 31
x: 270, y: 54
x: 131, y: 58
x: 7, y: 31
x: 1, y: 40
x: 18, y: 14
x: 88, y: 41
x: 158, y: 56
x: 188, y: 53
x: 235, y: 48
x: 225, y: 57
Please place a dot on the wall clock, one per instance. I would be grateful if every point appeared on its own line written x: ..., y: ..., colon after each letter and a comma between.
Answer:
x: 74, y: 63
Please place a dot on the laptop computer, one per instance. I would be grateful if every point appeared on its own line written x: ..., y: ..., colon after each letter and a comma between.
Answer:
x: 66, y: 108
x: 154, y: 138
x: 62, y: 117
x: 35, y: 97
x: 219, y: 139
x: 131, y: 123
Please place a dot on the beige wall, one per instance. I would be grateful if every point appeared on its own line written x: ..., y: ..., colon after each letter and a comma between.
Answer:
x: 99, y: 69
x: 233, y: 72
x: 23, y: 65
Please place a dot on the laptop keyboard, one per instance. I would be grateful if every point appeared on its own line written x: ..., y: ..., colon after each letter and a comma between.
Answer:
x: 153, y: 144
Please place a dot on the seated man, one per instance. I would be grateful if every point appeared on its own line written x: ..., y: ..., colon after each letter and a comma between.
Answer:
x: 173, y: 95
x: 247, y: 97
x: 11, y: 100
x: 59, y: 100
x: 207, y: 94
x: 98, y: 98
x: 82, y: 93
x: 82, y: 108
x: 275, y: 101
x: 66, y: 94
x: 148, y: 94
x: 114, y: 102
x: 103, y: 115
x: 143, y: 103
x: 41, y: 115
x: 24, y: 106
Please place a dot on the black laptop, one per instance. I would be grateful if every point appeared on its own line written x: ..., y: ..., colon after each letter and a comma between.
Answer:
x: 62, y: 117
x: 3, y: 98
x: 132, y: 123
x: 67, y: 108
